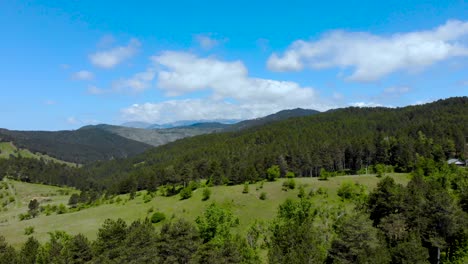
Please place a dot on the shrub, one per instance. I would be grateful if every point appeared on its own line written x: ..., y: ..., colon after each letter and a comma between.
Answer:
x: 206, y: 194
x: 157, y: 217
x: 301, y: 193
x: 263, y: 196
x: 290, y: 174
x: 246, y: 188
x: 289, y: 184
x: 324, y: 175
x: 61, y: 209
x: 29, y: 230
x: 186, y: 193
x: 351, y: 191
x: 24, y: 216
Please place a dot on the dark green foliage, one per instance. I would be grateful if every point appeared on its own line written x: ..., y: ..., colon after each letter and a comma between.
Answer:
x: 33, y: 208
x: 357, y: 241
x: 8, y: 254
x: 29, y: 251
x: 157, y: 217
x: 74, y: 200
x: 177, y: 242
x: 78, y: 250
x: 79, y: 146
x: 263, y: 196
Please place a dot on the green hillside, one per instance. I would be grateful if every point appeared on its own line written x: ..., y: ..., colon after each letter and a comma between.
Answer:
x: 246, y: 206
x: 8, y: 149
x: 77, y: 146
x: 344, y: 141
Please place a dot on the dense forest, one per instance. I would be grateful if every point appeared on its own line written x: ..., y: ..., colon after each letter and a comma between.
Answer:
x: 345, y: 141
x: 77, y: 146
x: 423, y: 222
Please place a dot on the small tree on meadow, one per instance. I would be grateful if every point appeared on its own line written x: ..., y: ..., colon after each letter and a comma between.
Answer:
x: 33, y: 208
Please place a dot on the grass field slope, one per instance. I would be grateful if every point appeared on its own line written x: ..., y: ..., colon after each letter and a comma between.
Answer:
x: 248, y: 207
x: 8, y: 149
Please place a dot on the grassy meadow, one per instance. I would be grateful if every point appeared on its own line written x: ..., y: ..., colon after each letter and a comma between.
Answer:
x: 246, y: 206
x: 8, y: 148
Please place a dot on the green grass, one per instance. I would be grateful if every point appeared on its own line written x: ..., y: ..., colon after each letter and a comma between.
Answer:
x: 8, y: 148
x: 246, y: 206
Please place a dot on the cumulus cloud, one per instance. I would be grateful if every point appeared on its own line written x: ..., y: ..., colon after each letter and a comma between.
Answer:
x: 112, y: 57
x: 183, y: 73
x: 206, y: 41
x: 372, y: 57
x: 83, y: 75
x: 233, y: 93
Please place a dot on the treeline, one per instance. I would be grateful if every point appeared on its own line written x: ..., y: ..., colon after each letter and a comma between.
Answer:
x: 344, y: 140
x: 423, y: 222
x: 40, y: 171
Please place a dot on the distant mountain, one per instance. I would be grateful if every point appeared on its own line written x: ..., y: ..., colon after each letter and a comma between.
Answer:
x: 185, y: 123
x: 77, y: 146
x: 157, y: 137
x: 279, y: 116
x: 136, y: 124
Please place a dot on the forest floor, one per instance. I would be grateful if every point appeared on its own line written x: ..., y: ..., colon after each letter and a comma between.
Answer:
x: 246, y: 206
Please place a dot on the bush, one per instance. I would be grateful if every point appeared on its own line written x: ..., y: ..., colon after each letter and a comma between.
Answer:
x: 246, y: 188
x: 324, y: 175
x: 289, y: 184
x: 206, y: 194
x: 263, y: 196
x: 25, y: 216
x: 290, y: 174
x: 29, y: 230
x: 157, y: 217
x: 351, y: 191
x: 186, y: 193
x: 301, y: 193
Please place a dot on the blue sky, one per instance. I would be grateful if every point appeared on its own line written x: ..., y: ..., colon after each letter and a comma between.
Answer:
x: 65, y: 64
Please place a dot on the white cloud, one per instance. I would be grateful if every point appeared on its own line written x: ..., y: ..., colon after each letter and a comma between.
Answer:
x: 138, y: 83
x: 372, y: 57
x: 397, y: 90
x: 73, y: 120
x: 184, y: 73
x: 206, y: 41
x: 365, y: 104
x: 96, y: 91
x: 83, y: 75
x: 112, y: 57
x: 234, y: 95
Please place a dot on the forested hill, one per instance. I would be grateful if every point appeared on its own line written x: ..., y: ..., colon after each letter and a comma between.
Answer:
x: 279, y: 116
x: 346, y: 139
x: 78, y: 146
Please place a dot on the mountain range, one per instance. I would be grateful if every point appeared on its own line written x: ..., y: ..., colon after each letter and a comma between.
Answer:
x: 105, y: 142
